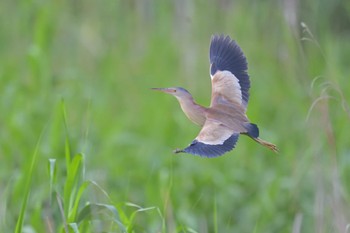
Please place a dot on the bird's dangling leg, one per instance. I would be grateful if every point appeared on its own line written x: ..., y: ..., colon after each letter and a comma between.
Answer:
x: 266, y: 144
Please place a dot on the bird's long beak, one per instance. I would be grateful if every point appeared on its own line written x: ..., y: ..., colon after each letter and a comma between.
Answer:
x: 166, y: 90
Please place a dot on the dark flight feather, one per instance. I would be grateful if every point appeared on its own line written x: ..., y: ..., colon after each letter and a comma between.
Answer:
x: 207, y: 150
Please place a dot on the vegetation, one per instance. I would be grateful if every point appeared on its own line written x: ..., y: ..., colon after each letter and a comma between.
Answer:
x: 85, y: 146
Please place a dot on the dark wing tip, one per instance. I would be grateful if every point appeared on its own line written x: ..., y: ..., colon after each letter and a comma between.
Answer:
x: 225, y: 54
x: 206, y: 150
x: 224, y: 51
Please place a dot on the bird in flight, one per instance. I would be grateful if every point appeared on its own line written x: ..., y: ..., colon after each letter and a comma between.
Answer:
x: 225, y: 119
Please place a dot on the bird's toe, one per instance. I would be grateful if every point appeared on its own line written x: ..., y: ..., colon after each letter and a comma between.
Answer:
x: 177, y: 150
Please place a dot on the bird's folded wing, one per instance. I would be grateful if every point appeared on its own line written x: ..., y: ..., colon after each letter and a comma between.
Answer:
x: 213, y: 140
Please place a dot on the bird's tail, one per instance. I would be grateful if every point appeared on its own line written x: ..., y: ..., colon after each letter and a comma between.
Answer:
x: 267, y: 144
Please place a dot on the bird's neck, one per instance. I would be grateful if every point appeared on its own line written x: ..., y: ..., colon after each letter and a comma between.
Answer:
x: 194, y: 111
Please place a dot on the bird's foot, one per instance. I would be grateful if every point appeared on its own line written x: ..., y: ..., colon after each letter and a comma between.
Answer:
x: 176, y: 151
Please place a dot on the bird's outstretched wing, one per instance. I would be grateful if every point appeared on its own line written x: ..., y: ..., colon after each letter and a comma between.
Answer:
x: 213, y: 140
x: 228, y: 70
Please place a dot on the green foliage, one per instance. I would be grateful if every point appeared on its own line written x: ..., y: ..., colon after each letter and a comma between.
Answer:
x: 74, y: 88
x: 26, y: 190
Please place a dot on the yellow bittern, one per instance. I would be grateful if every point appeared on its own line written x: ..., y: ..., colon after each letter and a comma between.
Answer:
x: 226, y: 118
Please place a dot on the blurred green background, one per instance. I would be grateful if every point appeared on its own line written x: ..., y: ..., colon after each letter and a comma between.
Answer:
x: 94, y: 62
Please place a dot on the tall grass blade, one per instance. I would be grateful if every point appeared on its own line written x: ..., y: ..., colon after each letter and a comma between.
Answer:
x: 52, y: 174
x: 96, y: 208
x: 67, y: 145
x: 74, y: 211
x: 133, y: 215
x: 215, y: 216
x: 60, y: 205
x: 72, y: 178
x: 26, y: 193
x: 74, y: 227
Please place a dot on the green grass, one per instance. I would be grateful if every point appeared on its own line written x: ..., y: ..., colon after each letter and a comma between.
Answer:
x: 85, y: 146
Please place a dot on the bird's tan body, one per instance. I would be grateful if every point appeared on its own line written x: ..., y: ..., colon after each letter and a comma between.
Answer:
x: 226, y: 106
x: 229, y: 118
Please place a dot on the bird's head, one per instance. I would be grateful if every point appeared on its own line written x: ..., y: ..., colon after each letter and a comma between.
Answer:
x: 178, y: 92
